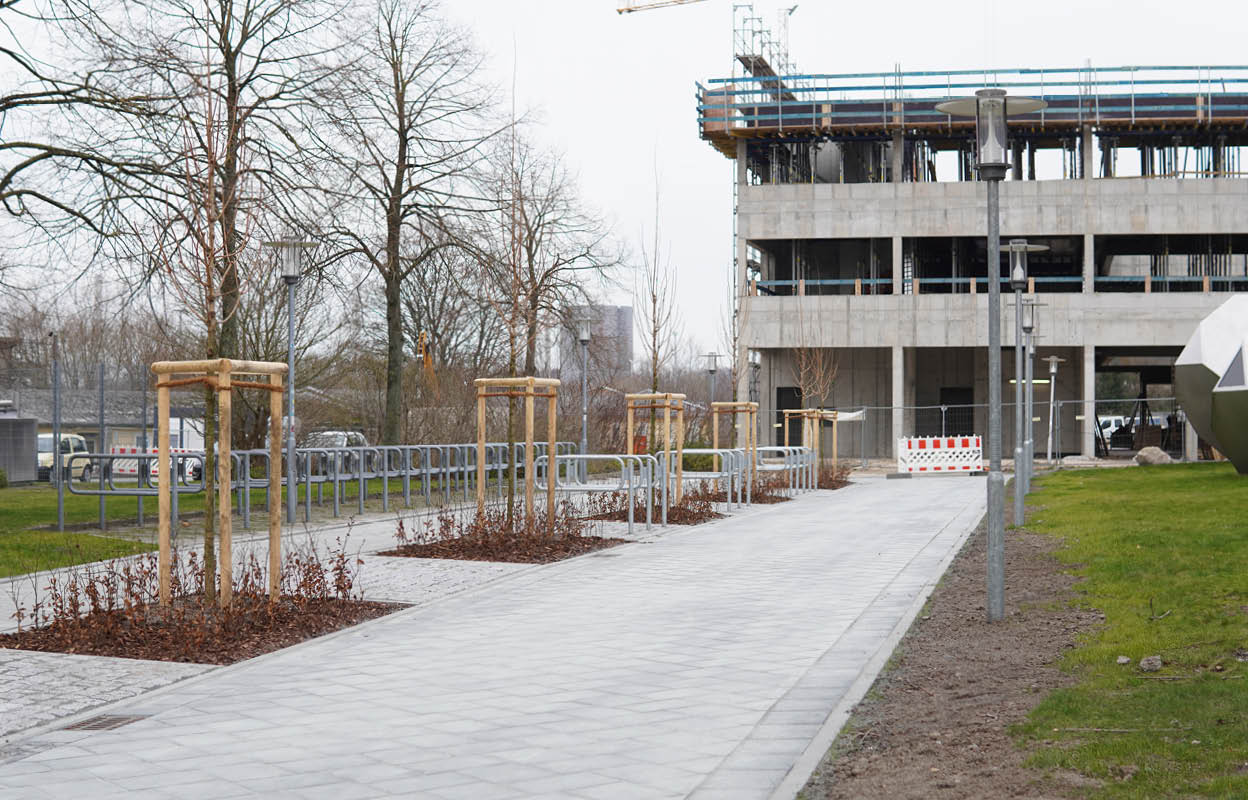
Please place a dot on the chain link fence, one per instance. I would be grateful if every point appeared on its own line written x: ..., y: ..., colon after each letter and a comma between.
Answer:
x: 1122, y: 428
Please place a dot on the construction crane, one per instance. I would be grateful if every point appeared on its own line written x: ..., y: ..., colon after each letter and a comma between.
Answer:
x: 660, y: 4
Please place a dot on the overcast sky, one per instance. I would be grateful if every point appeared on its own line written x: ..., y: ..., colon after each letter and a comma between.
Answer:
x: 616, y: 92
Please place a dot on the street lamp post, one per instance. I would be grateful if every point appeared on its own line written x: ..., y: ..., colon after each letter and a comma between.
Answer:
x: 1029, y: 446
x: 712, y: 364
x: 1018, y: 250
x: 1053, y: 362
x: 1030, y: 443
x: 289, y: 252
x: 582, y: 336
x: 991, y: 108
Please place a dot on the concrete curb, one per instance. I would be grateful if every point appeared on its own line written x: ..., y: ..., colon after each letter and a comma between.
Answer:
x: 799, y: 774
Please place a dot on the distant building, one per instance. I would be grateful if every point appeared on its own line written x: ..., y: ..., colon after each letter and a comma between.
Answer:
x: 123, y: 416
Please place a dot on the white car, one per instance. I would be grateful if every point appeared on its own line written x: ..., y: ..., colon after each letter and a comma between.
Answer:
x: 1111, y: 424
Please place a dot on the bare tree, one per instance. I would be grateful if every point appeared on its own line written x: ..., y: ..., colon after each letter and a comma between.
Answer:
x: 407, y: 118
x: 656, y: 296
x: 814, y: 367
x: 557, y: 248
x: 444, y: 300
x: 216, y: 88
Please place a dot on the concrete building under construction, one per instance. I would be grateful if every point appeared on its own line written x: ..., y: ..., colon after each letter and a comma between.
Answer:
x: 859, y: 231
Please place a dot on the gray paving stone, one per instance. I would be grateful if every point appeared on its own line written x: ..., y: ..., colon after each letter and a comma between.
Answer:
x: 704, y: 660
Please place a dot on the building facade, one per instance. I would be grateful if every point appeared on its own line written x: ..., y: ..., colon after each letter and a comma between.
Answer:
x: 860, y: 231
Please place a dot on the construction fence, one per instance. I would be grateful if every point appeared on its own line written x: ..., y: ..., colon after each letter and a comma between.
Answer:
x: 1122, y: 428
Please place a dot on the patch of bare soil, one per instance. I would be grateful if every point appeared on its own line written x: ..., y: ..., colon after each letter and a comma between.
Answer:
x: 695, y: 507
x: 190, y: 632
x: 833, y: 478
x: 495, y: 535
x: 935, y: 723
x: 516, y: 548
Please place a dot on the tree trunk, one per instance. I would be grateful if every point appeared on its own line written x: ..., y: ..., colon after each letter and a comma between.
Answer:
x: 394, y: 358
x: 210, y: 477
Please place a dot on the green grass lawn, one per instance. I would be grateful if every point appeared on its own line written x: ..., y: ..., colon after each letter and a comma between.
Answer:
x: 23, y: 550
x: 1164, y: 555
x: 24, y: 508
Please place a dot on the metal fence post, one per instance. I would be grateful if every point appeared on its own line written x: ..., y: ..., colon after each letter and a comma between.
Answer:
x: 55, y: 473
x: 100, y: 448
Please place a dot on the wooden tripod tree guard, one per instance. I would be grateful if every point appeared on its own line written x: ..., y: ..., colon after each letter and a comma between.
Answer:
x: 733, y: 408
x: 218, y: 374
x: 667, y: 402
x: 530, y: 389
x: 812, y: 425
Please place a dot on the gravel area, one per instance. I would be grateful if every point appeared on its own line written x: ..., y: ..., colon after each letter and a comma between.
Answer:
x: 37, y: 688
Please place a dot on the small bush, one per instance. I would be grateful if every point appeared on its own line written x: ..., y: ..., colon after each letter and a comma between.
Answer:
x: 4, y: 479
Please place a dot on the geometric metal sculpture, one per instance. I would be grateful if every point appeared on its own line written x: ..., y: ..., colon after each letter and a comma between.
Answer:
x: 1209, y: 380
x: 1230, y: 411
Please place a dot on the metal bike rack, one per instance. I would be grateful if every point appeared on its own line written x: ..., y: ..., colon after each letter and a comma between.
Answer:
x: 643, y: 466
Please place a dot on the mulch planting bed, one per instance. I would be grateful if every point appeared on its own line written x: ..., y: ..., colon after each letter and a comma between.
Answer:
x: 514, y: 548
x: 935, y: 723
x: 189, y: 632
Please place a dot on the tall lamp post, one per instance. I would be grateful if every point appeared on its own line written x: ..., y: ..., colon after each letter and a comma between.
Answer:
x: 582, y: 336
x: 1018, y: 250
x: 712, y: 364
x: 289, y: 252
x: 1029, y: 446
x: 990, y: 108
x: 1053, y: 362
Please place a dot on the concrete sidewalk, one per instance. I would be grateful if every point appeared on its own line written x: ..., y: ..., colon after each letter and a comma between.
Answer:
x: 706, y: 663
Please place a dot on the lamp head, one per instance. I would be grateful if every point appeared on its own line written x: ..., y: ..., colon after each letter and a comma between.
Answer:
x: 290, y: 256
x: 583, y: 331
x: 991, y: 149
x: 712, y: 362
x: 1018, y: 264
x: 991, y: 109
x: 1029, y: 317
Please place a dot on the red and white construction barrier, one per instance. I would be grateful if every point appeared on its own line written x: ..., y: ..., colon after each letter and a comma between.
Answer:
x: 130, y: 466
x: 940, y: 454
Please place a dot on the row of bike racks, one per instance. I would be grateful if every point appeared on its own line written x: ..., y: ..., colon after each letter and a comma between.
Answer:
x: 446, y: 471
x: 797, y: 463
x: 637, y: 475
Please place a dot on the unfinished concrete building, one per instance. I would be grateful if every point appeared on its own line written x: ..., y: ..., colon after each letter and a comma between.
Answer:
x: 859, y: 232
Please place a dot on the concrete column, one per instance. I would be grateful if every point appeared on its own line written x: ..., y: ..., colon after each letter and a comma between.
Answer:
x: 1017, y: 166
x: 742, y: 164
x: 1089, y: 400
x: 898, y: 156
x: 1190, y: 442
x: 1088, y: 167
x: 899, y: 396
x: 1089, y: 263
x: 897, y: 265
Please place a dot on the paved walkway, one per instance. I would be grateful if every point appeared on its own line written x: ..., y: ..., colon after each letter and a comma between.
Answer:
x: 702, y: 664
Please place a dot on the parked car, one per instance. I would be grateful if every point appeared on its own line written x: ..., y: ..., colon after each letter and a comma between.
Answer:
x: 347, y: 462
x: 1111, y: 424
x: 71, y: 443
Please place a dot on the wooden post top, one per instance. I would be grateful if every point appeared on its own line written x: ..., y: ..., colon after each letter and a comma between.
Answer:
x: 219, y: 365
x: 729, y: 405
x: 811, y: 413
x: 658, y: 396
x: 517, y: 382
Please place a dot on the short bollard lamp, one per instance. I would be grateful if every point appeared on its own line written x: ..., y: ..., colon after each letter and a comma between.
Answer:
x: 1018, y: 250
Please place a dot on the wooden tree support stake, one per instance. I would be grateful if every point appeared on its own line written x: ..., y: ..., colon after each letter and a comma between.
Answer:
x: 219, y: 374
